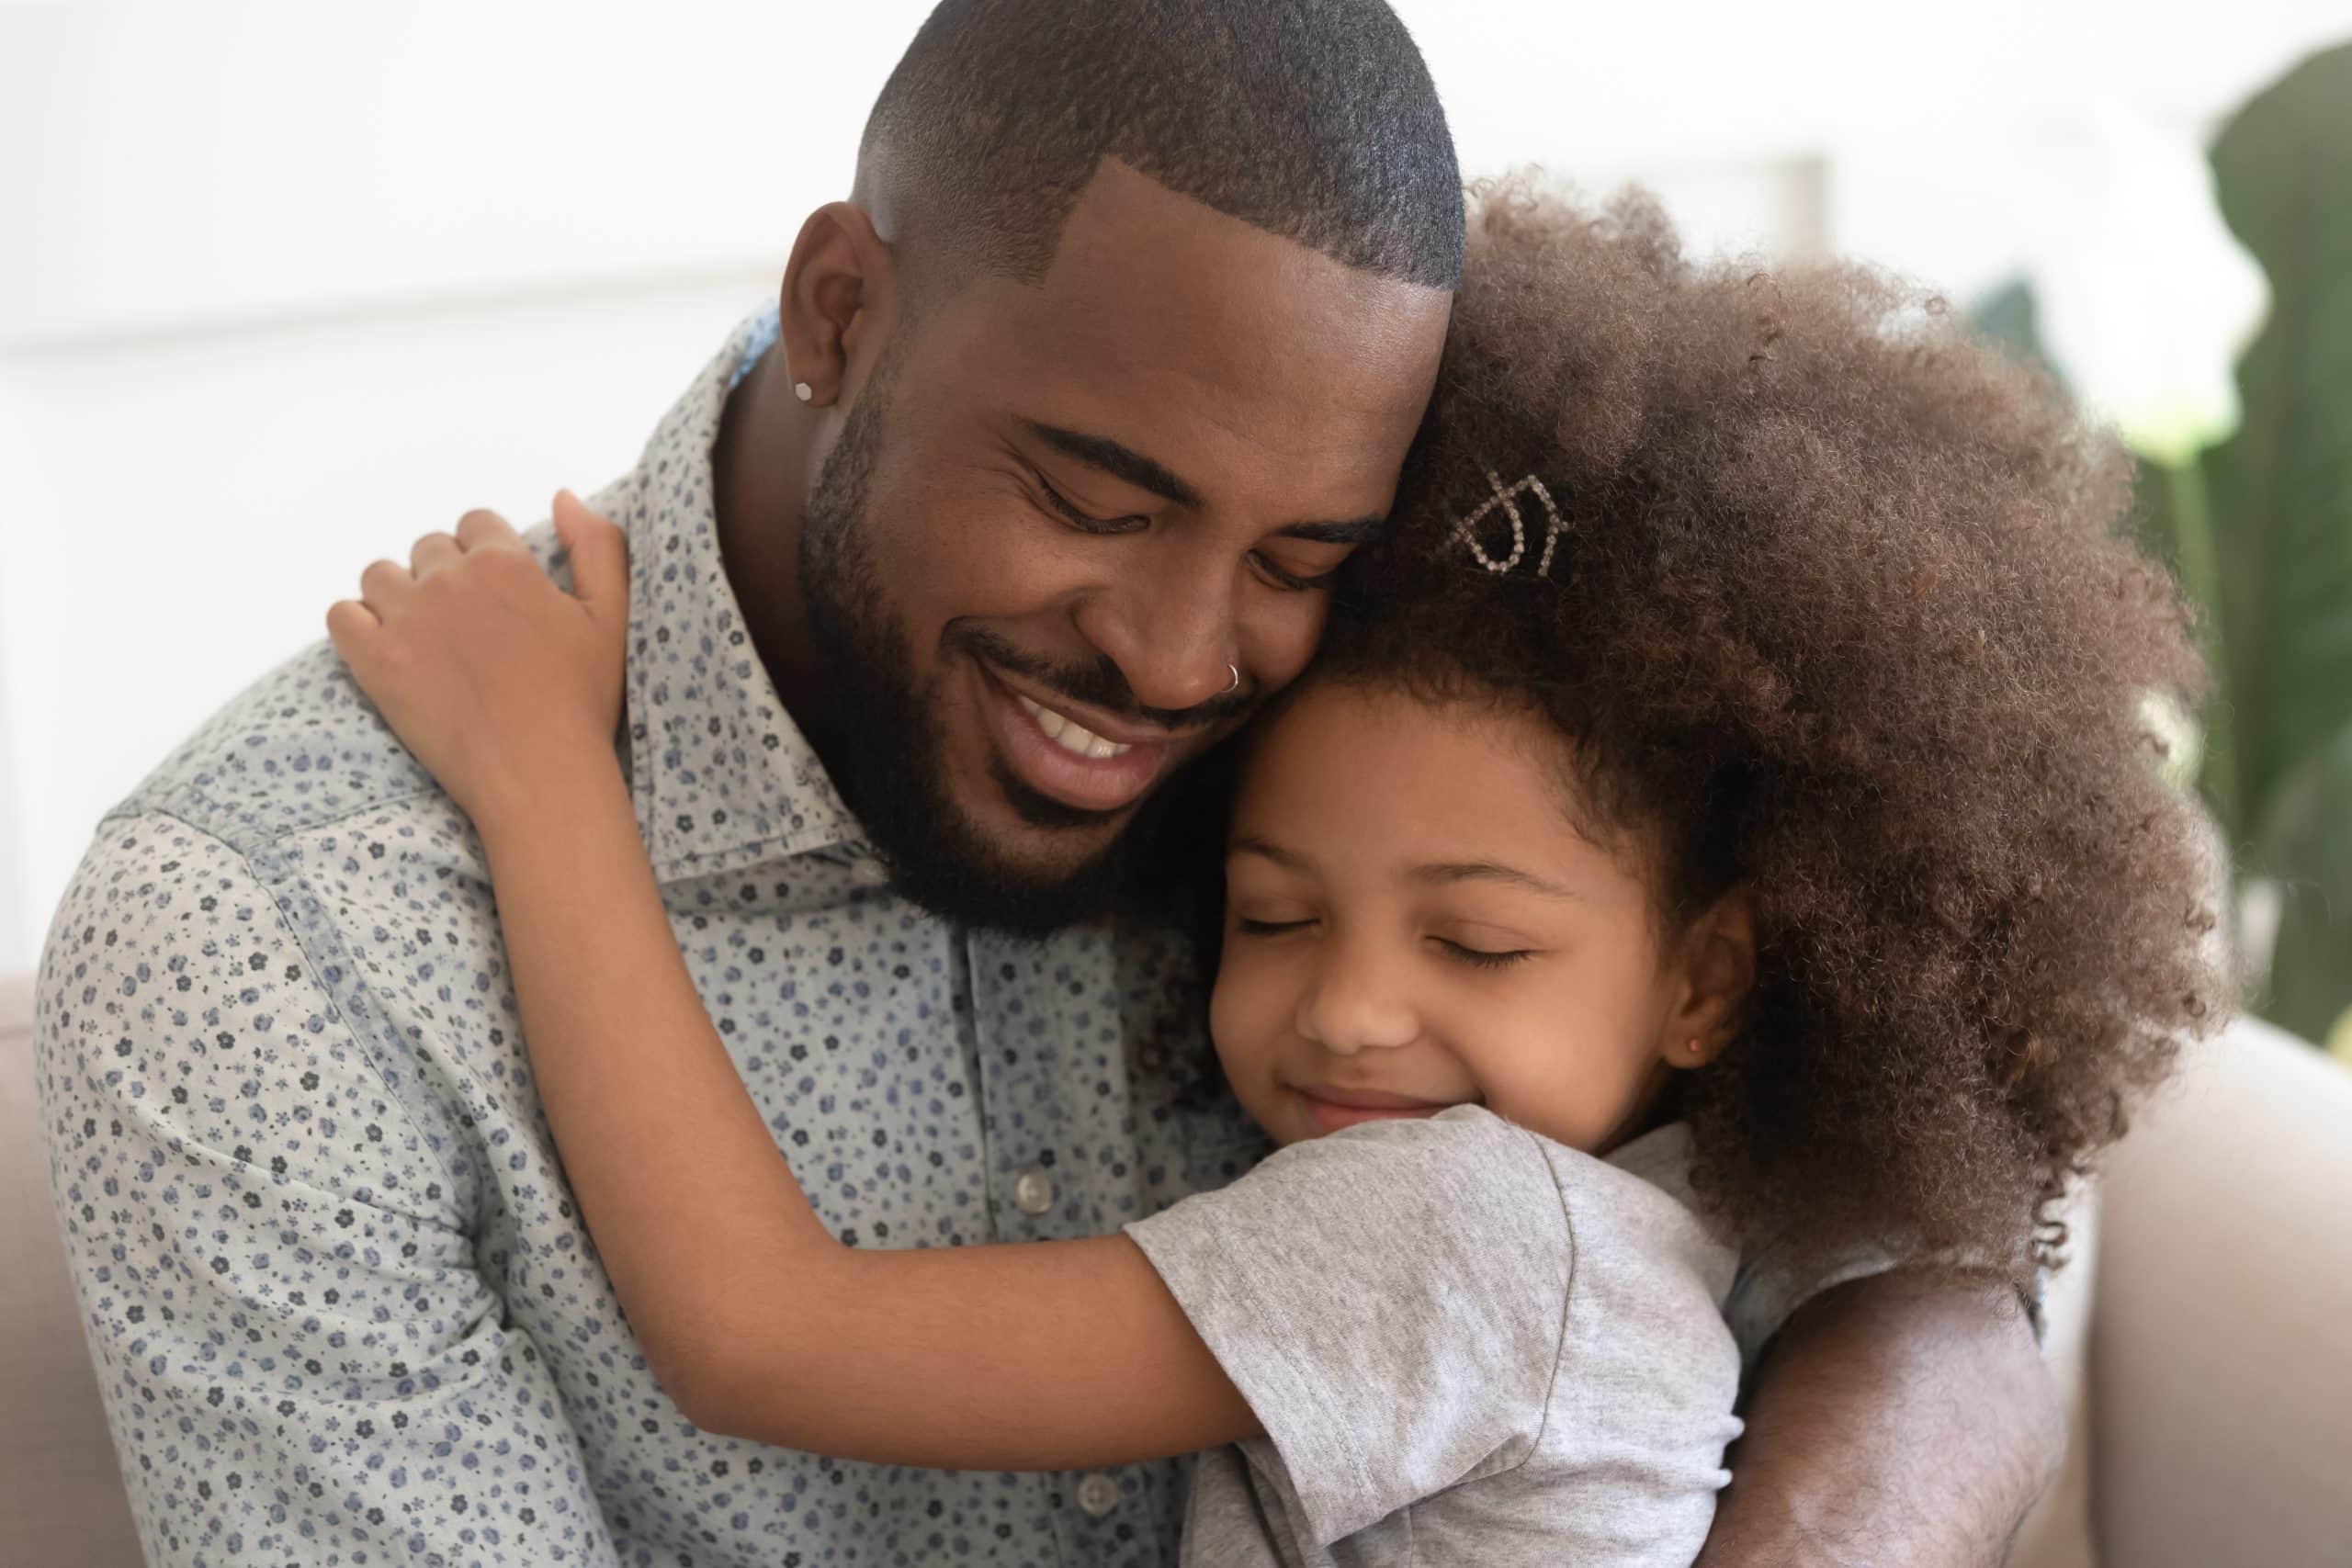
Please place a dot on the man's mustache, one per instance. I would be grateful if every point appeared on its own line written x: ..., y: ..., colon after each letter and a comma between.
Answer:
x: 1099, y: 686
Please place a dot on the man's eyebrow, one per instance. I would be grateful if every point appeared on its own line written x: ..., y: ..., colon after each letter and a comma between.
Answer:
x: 1119, y: 462
x: 1245, y: 846
x: 1447, y: 872
x: 1354, y: 532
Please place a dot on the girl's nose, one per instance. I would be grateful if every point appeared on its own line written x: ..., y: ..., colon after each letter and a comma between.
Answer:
x: 1349, y: 1008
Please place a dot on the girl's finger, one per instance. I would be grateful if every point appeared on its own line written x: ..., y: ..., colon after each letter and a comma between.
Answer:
x: 433, y: 552
x: 350, y: 618
x: 352, y: 627
x: 479, y: 529
x: 599, y: 552
x: 386, y: 586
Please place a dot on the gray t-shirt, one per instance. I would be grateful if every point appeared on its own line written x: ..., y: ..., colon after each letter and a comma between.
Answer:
x: 1467, y: 1344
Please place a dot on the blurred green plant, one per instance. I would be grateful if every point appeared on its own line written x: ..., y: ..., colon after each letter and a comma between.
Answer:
x: 2259, y: 529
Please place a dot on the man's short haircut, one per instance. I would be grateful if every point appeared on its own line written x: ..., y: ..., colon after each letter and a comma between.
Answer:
x: 1312, y: 119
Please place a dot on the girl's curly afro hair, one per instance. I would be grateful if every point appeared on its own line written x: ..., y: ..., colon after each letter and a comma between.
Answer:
x: 1844, y: 610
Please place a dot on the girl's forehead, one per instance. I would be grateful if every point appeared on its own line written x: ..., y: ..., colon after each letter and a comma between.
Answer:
x: 1370, y: 773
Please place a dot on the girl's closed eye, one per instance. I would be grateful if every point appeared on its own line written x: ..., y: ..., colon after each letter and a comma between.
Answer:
x: 1484, y: 947
x: 1482, y: 957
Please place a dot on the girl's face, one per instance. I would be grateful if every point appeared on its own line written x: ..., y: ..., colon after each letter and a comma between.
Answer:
x: 1413, y: 921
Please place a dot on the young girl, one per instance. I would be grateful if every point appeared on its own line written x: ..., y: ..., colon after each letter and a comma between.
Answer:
x: 1719, y: 811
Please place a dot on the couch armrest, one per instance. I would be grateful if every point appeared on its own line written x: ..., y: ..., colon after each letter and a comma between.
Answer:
x: 2222, y: 1346
x: 62, y: 1500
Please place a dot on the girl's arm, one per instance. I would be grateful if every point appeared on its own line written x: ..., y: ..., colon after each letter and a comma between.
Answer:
x: 1036, y: 1356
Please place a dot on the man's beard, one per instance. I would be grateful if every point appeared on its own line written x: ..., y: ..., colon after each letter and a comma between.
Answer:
x: 885, y: 752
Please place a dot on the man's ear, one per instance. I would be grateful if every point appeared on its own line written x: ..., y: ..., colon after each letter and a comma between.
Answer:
x: 1717, y: 955
x: 838, y: 289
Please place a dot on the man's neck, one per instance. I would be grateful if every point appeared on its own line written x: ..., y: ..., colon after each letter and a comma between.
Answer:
x: 758, y: 480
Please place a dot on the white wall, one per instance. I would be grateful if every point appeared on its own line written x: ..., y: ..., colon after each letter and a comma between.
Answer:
x: 177, y: 511
x: 282, y: 286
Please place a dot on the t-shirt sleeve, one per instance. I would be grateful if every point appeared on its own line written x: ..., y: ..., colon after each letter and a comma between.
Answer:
x: 1766, y: 1292
x: 1389, y: 1299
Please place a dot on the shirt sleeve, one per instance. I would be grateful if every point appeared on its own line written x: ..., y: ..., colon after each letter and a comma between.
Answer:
x: 1765, y: 1294
x: 299, y: 1357
x: 1389, y: 1299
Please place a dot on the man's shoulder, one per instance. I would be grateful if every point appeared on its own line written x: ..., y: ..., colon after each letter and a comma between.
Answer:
x: 299, y: 746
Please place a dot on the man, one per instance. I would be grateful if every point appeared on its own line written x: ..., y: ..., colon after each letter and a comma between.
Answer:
x: 1019, y: 501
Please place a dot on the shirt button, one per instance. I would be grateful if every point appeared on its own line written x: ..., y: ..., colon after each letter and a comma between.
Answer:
x: 1035, y: 1192
x: 1098, y: 1494
x: 867, y: 872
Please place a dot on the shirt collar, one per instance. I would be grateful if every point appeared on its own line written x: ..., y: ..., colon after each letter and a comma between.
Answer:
x: 722, y: 776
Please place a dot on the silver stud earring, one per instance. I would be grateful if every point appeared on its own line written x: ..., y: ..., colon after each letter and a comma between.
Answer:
x: 803, y: 390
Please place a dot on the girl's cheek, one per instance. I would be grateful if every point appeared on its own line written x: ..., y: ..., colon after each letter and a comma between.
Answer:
x: 1526, y: 1066
x: 1242, y: 1010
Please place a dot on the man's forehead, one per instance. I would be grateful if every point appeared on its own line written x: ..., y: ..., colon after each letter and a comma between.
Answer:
x: 1142, y: 269
x: 1161, y: 314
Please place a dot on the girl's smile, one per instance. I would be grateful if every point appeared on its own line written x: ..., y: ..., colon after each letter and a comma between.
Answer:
x: 1334, y: 1107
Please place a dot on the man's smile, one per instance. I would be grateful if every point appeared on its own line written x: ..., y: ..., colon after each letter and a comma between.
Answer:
x: 1070, y: 753
x: 1071, y: 735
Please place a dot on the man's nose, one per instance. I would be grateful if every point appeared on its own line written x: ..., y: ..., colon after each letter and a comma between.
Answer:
x: 1168, y: 624
x: 1354, y: 1003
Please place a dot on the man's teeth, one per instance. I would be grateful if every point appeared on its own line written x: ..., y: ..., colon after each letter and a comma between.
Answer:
x: 1069, y: 734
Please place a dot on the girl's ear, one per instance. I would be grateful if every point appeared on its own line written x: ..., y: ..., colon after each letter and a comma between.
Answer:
x: 1717, y: 955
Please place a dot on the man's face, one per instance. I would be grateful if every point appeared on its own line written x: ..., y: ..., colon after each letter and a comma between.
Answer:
x: 1060, y: 518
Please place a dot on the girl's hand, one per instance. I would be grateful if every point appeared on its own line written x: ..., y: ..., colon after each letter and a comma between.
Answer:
x: 500, y: 683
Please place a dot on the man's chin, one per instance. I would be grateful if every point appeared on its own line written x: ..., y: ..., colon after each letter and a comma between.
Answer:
x: 1001, y: 868
x: 1042, y: 855
x: 1050, y: 827
x: 1007, y: 894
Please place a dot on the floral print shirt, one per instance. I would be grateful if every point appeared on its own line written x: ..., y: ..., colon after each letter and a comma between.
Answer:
x: 342, y: 1307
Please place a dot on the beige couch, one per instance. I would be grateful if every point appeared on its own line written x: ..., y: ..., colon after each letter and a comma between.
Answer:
x: 2208, y: 1337
x: 60, y: 1496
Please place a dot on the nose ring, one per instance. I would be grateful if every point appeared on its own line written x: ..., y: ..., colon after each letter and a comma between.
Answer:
x: 1236, y: 680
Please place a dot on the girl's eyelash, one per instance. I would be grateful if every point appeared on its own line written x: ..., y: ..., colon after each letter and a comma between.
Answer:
x: 1477, y: 957
x: 1483, y: 959
x: 1268, y: 928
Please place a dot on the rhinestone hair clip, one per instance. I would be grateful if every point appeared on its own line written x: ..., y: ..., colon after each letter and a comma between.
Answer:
x: 1466, y: 529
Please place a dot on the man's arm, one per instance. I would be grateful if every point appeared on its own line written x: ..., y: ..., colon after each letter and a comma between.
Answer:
x: 300, y: 1359
x: 1898, y: 1422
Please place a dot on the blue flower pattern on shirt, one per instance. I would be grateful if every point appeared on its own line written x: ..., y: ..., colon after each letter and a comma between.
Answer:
x: 342, y: 1307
